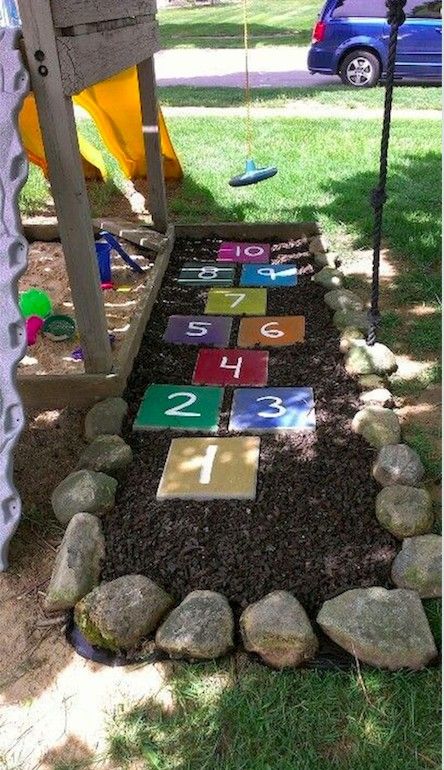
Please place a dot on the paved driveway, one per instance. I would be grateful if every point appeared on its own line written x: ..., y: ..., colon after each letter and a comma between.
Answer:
x: 279, y: 67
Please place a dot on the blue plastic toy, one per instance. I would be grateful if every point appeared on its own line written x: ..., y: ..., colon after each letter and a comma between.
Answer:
x: 104, y: 246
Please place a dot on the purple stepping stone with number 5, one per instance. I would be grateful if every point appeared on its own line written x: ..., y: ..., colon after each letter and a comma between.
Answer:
x: 198, y: 330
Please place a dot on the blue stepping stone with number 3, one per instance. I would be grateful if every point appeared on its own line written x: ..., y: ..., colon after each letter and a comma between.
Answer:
x: 273, y: 409
x: 271, y: 276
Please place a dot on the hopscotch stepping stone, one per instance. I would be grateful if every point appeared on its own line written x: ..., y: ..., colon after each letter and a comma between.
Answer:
x: 271, y: 331
x: 244, y: 252
x: 273, y: 276
x: 180, y: 407
x: 198, y: 330
x: 231, y: 367
x: 211, y: 468
x: 273, y: 409
x: 237, y: 301
x: 206, y: 274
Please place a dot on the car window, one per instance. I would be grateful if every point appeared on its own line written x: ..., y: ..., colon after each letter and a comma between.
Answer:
x: 418, y: 10
x: 360, y: 8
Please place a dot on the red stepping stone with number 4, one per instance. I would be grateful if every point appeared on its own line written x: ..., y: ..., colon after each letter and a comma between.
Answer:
x: 231, y: 367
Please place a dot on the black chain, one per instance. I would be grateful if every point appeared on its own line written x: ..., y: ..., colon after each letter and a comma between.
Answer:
x: 395, y: 17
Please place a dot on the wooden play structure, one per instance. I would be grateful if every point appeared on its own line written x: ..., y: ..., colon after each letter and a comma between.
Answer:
x: 70, y: 45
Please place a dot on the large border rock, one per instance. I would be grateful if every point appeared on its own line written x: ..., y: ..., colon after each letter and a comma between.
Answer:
x: 277, y: 628
x: 370, y: 359
x: 404, y: 511
x: 119, y: 614
x: 398, y: 464
x: 105, y: 417
x: 201, y: 627
x: 329, y: 278
x: 78, y: 563
x: 377, y: 425
x: 343, y: 299
x: 418, y: 566
x: 388, y: 629
x: 106, y: 454
x: 83, y: 492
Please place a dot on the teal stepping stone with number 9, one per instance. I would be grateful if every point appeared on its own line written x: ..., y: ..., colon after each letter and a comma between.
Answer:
x: 180, y: 407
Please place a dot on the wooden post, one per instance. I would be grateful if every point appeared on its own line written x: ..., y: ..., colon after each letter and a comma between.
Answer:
x: 150, y: 127
x: 56, y: 116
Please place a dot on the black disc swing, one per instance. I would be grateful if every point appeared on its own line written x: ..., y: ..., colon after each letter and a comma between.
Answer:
x: 252, y: 174
x: 395, y: 17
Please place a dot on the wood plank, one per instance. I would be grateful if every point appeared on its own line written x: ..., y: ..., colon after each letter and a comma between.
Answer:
x: 248, y: 230
x: 131, y: 346
x: 157, y: 201
x: 57, y: 391
x: 88, y: 59
x: 56, y: 117
x: 130, y: 231
x: 67, y: 13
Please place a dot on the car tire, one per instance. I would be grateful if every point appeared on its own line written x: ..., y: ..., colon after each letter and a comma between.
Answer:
x: 360, y: 69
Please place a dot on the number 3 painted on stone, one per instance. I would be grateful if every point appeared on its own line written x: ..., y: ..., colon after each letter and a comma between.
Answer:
x: 275, y: 403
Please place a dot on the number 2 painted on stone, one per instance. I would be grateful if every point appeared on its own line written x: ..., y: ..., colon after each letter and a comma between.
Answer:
x: 177, y: 411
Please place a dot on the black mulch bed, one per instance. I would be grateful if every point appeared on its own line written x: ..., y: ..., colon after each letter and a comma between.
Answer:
x: 312, y: 528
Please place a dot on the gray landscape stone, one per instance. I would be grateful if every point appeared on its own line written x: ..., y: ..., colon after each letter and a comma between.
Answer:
x: 343, y: 299
x: 318, y: 244
x: 278, y: 630
x: 106, y: 417
x: 377, y: 425
x: 418, y: 566
x: 405, y: 511
x: 398, y: 464
x: 119, y: 614
x: 377, y: 397
x: 365, y: 359
x: 78, y: 563
x: 388, y: 629
x: 83, y: 492
x: 107, y: 454
x: 372, y: 382
x: 348, y: 336
x: 327, y: 260
x: 358, y: 319
x: 201, y: 627
x: 329, y: 278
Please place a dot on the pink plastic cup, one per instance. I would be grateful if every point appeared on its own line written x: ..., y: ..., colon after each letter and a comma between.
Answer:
x: 33, y: 325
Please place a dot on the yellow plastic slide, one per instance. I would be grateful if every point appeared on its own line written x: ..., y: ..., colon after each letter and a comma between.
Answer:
x: 114, y: 105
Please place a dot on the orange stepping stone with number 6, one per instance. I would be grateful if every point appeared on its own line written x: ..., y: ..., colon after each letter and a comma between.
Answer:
x: 268, y: 331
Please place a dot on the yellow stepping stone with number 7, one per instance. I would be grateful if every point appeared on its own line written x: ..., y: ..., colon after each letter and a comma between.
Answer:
x: 236, y: 301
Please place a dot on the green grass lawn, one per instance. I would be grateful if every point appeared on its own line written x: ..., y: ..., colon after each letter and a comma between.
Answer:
x: 406, y: 97
x: 265, y: 720
x: 271, y: 22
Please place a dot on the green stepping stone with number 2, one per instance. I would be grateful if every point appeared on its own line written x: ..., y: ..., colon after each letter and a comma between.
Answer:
x: 236, y: 301
x: 182, y: 407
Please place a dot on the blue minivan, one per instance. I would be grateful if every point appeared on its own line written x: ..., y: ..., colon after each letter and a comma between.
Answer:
x: 350, y: 39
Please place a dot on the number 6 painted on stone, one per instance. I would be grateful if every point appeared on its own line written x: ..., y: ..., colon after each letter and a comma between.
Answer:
x: 272, y: 333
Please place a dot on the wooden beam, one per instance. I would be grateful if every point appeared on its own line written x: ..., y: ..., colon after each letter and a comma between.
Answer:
x: 248, y: 231
x: 91, y: 58
x: 67, y: 13
x: 131, y: 231
x: 56, y: 116
x: 157, y: 201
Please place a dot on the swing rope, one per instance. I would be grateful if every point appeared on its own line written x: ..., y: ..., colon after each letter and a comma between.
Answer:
x: 248, y: 126
x: 395, y: 17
